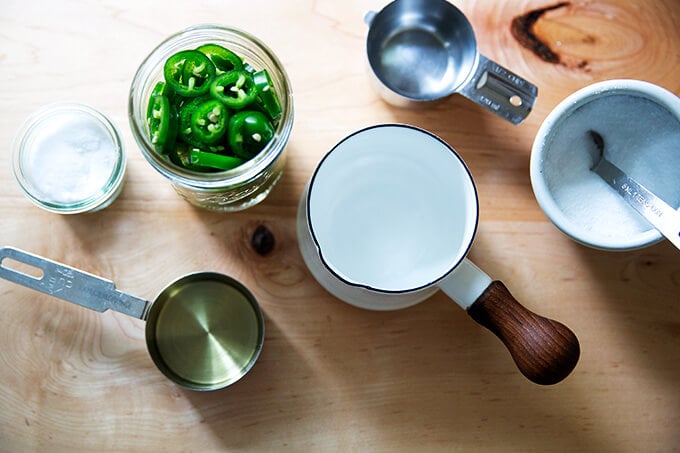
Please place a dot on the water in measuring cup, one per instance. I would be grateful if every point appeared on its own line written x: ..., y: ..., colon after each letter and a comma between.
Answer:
x: 207, y: 331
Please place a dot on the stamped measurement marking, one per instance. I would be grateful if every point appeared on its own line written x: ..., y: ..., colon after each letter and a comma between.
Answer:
x: 634, y: 194
x: 115, y: 298
x: 508, y: 75
x: 62, y: 281
x: 55, y: 285
x: 488, y: 102
x: 66, y: 272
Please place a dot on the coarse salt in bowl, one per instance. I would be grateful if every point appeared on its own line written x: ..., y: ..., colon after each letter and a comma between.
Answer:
x: 640, y: 124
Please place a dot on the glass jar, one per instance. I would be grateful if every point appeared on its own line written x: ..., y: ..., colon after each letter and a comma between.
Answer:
x: 68, y: 158
x: 240, y: 187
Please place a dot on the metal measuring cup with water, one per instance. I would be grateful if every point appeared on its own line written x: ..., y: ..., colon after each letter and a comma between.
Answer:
x: 203, y: 331
x: 425, y: 50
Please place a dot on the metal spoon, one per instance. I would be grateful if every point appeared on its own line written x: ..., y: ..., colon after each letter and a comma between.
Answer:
x: 656, y: 211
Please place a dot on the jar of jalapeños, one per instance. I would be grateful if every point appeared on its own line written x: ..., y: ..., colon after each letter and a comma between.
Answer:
x: 211, y: 109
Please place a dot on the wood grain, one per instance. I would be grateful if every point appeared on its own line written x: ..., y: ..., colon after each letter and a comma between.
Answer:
x: 332, y: 377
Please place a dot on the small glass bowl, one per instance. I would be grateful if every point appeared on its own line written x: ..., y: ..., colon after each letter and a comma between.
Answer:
x: 69, y: 158
x: 240, y: 187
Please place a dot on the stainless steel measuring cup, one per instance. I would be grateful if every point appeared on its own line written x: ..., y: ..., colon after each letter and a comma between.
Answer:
x: 425, y: 50
x: 204, y: 331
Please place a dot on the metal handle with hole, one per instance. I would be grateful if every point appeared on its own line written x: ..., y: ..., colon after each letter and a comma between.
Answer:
x: 69, y: 284
x: 500, y: 91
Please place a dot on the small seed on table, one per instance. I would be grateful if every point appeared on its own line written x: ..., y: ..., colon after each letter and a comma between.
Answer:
x: 262, y: 240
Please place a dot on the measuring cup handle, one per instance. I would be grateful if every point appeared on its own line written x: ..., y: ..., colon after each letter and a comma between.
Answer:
x: 67, y: 283
x: 501, y: 91
x: 545, y: 351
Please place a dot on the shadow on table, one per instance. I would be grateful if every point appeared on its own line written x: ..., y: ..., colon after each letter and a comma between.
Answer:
x: 331, y: 374
x: 417, y: 377
x: 334, y: 375
x: 640, y: 292
x: 259, y: 410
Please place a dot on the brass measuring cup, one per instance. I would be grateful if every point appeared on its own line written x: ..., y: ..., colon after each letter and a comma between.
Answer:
x: 203, y: 331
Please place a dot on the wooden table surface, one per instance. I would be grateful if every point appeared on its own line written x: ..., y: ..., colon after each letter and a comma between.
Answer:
x: 332, y: 377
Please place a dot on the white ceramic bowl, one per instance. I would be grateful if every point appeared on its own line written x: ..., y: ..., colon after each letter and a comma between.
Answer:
x: 640, y: 124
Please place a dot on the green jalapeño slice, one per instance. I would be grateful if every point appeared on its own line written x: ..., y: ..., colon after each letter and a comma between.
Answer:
x: 213, y: 111
x: 249, y: 133
x: 189, y: 73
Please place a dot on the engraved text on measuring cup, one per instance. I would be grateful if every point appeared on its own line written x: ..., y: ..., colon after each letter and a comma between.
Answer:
x: 630, y: 191
x: 55, y: 284
x: 115, y: 298
x: 486, y: 101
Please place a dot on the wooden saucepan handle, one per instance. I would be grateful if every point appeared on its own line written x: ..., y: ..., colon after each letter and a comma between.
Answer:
x: 544, y: 350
